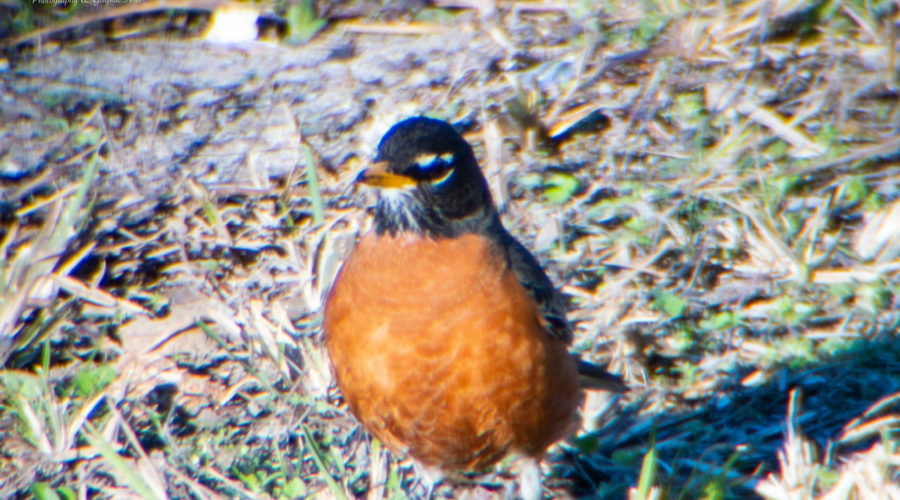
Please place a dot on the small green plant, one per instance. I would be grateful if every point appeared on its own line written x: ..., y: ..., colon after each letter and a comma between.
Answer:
x: 669, y: 303
x: 560, y: 187
x: 649, y: 467
x: 302, y: 22
x: 43, y: 491
x: 649, y: 28
x: 89, y: 381
x: 724, y: 320
x: 639, y: 231
x: 793, y: 312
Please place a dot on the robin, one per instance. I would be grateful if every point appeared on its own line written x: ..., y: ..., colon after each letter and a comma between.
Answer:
x: 448, y: 340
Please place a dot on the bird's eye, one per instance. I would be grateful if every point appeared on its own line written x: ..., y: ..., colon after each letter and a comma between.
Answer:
x: 432, y: 168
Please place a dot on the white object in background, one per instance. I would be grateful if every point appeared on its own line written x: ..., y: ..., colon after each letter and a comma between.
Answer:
x: 233, y: 23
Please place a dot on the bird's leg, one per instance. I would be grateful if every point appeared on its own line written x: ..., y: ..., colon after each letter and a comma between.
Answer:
x: 426, y: 479
x: 530, y: 479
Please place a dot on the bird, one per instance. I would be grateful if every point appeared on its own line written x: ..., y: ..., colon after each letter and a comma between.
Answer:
x: 448, y: 341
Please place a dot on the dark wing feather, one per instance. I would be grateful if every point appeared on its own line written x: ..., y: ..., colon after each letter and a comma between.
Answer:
x: 552, y: 307
x: 532, y: 276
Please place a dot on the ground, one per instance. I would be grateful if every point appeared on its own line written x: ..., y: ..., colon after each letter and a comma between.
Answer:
x: 714, y: 186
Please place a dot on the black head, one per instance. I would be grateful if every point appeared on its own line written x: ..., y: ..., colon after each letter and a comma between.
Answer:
x: 429, y: 181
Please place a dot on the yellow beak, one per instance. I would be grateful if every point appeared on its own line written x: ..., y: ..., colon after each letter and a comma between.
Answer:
x: 377, y: 175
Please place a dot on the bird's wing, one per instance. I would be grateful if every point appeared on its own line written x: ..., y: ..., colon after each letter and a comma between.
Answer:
x: 553, y: 312
x: 533, y: 278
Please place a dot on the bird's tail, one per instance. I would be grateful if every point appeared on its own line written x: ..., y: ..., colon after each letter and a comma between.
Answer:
x: 593, y: 377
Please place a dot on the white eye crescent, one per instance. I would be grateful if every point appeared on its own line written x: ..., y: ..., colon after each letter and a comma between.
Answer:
x: 442, y: 178
x: 430, y: 160
x: 426, y: 160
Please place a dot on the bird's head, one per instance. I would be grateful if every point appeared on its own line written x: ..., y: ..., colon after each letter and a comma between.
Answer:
x: 428, y: 181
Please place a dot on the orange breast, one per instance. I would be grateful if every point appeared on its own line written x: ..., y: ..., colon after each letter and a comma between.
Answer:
x: 439, y: 351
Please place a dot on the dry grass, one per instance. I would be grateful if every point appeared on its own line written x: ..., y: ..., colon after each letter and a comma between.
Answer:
x: 717, y: 186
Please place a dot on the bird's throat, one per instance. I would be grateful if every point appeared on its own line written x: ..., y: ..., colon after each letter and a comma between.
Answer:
x: 399, y: 211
